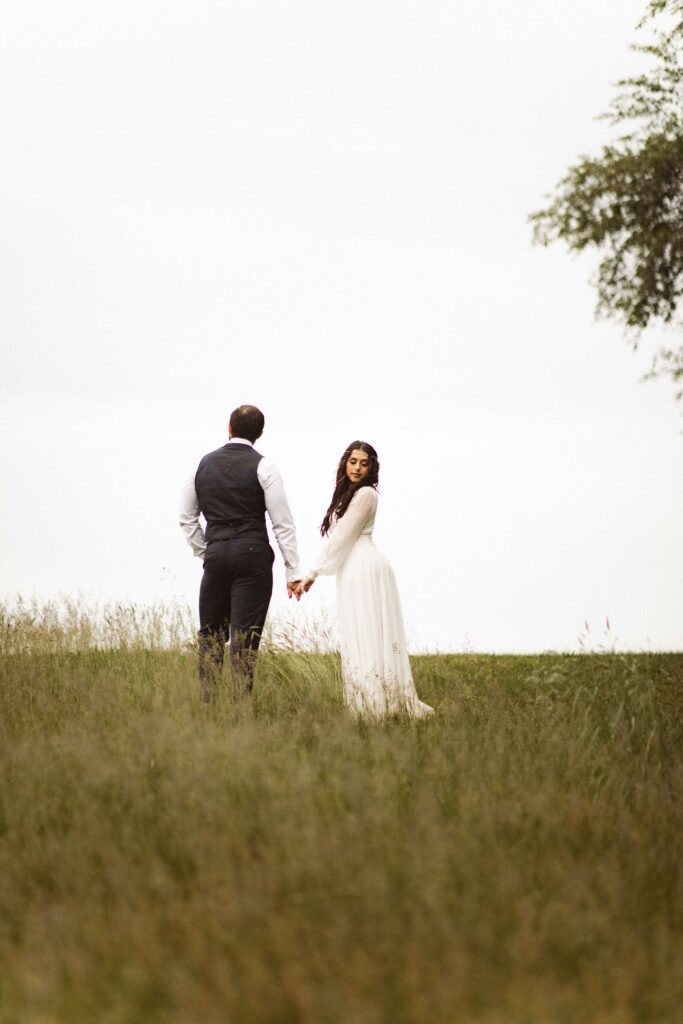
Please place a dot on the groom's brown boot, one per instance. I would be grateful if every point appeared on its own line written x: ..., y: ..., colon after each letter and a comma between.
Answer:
x: 242, y: 663
x: 211, y: 652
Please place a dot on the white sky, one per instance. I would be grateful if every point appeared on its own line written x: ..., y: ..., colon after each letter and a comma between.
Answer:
x: 321, y: 208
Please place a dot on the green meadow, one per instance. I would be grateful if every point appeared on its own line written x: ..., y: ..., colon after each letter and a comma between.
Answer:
x: 517, y: 859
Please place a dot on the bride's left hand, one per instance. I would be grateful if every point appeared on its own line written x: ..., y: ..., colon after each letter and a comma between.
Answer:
x: 302, y: 587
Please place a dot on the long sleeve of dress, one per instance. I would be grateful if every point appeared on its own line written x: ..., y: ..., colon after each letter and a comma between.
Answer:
x: 346, y: 532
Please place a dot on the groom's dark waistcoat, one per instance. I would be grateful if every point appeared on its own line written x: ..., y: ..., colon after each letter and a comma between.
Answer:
x: 230, y: 495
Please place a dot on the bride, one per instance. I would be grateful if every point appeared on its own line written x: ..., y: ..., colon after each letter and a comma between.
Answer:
x: 375, y: 666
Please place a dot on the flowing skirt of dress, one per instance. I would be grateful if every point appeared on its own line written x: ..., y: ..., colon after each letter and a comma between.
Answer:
x: 375, y: 665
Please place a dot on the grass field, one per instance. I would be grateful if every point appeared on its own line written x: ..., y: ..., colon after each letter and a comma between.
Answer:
x: 518, y: 859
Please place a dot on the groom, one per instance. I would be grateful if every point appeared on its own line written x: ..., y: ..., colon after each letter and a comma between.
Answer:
x: 233, y: 489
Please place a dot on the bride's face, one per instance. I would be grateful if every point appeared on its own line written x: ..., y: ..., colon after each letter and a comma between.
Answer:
x: 357, y: 465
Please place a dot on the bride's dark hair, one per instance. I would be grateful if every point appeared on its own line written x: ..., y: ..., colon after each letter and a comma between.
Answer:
x: 344, y: 490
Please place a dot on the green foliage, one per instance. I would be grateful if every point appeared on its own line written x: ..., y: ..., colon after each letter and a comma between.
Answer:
x: 514, y: 859
x: 628, y: 201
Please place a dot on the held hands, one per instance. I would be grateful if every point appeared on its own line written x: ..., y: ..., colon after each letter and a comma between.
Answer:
x: 298, y: 587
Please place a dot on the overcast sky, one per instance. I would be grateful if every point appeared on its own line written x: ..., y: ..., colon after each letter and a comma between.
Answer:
x: 321, y: 208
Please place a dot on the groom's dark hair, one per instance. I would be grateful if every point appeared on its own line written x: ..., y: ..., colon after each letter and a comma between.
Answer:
x: 247, y: 421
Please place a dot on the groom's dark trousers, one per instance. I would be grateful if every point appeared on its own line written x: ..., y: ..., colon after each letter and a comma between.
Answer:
x: 238, y: 565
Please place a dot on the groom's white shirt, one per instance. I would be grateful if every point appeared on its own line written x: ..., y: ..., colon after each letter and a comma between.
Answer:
x: 277, y: 508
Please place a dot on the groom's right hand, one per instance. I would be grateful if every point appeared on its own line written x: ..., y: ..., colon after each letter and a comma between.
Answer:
x: 293, y: 589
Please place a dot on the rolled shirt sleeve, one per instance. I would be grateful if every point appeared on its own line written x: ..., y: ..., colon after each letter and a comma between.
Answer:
x: 281, y: 517
x: 189, y: 518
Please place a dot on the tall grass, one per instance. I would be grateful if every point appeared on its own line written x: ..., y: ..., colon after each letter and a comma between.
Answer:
x: 517, y: 859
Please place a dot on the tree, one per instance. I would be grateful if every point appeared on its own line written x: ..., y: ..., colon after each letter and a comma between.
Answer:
x: 628, y: 202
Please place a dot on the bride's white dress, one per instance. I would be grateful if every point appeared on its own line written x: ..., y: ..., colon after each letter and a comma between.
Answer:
x: 375, y: 666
